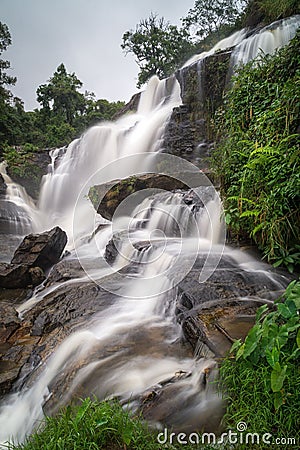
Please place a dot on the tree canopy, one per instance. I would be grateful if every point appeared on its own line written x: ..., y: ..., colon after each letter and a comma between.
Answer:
x: 5, y: 41
x: 158, y: 46
x: 209, y: 16
x: 62, y: 92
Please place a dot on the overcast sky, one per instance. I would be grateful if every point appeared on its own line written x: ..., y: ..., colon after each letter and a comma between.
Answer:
x: 83, y: 34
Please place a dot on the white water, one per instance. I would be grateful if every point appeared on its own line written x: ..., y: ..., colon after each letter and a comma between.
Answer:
x: 99, y: 147
x: 138, y: 329
x: 266, y: 41
x: 24, y: 215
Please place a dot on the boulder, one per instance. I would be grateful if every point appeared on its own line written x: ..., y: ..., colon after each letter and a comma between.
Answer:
x: 41, y: 250
x: 107, y: 197
x: 16, y: 276
x: 215, y: 313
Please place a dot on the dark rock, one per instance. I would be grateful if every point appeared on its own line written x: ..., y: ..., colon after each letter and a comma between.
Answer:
x: 112, y: 249
x: 18, y: 276
x: 37, y: 275
x: 41, y: 250
x: 215, y: 313
x: 107, y: 197
x: 9, y: 321
x: 14, y: 275
x: 64, y: 270
x: 15, y: 296
x: 2, y: 187
x: 188, y: 133
x: 131, y: 106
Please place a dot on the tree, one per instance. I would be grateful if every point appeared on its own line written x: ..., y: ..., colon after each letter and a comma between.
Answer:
x: 5, y: 41
x: 11, y: 108
x: 61, y: 95
x: 210, y: 16
x: 158, y: 46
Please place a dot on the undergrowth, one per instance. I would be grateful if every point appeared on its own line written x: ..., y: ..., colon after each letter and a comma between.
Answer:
x: 258, y: 155
x: 261, y: 377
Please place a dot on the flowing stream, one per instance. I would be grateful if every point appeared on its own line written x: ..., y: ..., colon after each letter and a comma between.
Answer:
x: 133, y: 343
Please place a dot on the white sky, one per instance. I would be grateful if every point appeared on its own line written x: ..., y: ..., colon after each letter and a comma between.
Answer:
x: 85, y: 35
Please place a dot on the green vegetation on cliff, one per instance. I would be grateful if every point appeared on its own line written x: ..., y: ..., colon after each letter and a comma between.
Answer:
x: 261, y: 377
x: 258, y: 156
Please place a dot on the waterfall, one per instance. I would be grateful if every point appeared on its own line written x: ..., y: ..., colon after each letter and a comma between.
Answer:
x: 133, y: 342
x: 19, y: 214
x: 266, y: 41
x: 138, y: 133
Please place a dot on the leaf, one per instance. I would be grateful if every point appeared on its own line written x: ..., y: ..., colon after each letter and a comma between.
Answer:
x: 240, y: 352
x: 298, y: 338
x: 272, y: 356
x: 235, y: 345
x: 277, y: 377
x: 257, y: 228
x: 82, y: 410
x: 291, y: 304
x: 278, y: 262
x: 278, y: 400
x: 250, y: 213
x: 252, y: 340
x: 284, y: 311
x: 260, y: 312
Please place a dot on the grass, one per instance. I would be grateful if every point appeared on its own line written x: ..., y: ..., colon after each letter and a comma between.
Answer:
x: 97, y: 425
x: 91, y: 425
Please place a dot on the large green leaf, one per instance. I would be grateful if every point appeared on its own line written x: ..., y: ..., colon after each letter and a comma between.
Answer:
x: 278, y: 375
x: 272, y: 356
x: 252, y: 340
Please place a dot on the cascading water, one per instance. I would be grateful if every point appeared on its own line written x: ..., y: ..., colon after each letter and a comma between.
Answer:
x: 133, y: 342
x: 20, y: 213
x: 266, y: 41
x: 138, y: 133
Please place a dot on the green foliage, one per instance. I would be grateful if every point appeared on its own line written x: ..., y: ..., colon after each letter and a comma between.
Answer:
x: 95, y: 425
x: 91, y: 425
x: 262, y: 381
x: 158, y: 46
x: 258, y: 154
x: 208, y: 17
x: 276, y: 9
x: 5, y: 41
x: 19, y: 161
x: 62, y: 92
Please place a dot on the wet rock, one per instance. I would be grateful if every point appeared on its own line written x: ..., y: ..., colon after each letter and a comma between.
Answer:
x: 107, y: 197
x: 15, y: 296
x: 41, y: 250
x: 215, y: 313
x: 33, y: 339
x: 2, y: 187
x: 173, y: 402
x: 9, y: 321
x: 130, y: 107
x: 13, y: 219
x: 14, y: 276
x: 64, y: 270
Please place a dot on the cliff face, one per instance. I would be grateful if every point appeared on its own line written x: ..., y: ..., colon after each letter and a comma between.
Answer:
x: 36, y: 165
x: 189, y: 134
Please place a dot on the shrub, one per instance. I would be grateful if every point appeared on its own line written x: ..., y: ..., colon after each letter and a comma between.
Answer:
x: 258, y: 155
